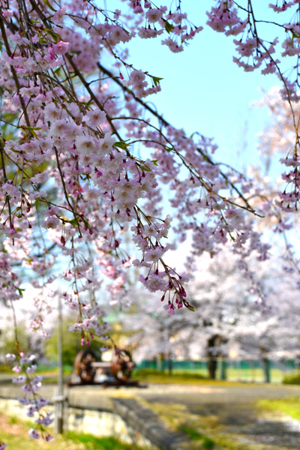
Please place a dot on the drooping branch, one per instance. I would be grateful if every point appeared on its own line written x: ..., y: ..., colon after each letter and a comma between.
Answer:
x: 14, y: 74
x: 92, y: 95
x: 5, y: 180
x: 165, y: 123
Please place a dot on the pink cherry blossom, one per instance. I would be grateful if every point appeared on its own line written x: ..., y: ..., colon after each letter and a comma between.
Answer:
x: 88, y: 168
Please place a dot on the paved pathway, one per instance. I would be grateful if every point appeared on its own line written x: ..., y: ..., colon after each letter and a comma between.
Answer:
x: 231, y: 406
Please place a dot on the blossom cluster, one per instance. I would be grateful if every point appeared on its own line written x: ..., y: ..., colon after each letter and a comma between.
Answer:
x: 256, y: 52
x: 175, y: 23
x: 84, y: 164
x: 24, y: 370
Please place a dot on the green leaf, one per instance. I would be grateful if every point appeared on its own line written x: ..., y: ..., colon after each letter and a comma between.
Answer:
x: 169, y: 27
x: 46, y: 2
x: 156, y: 80
x: 32, y: 130
x: 121, y: 144
x: 191, y: 308
x: 20, y: 291
x: 85, y: 222
x: 89, y: 103
x: 145, y: 168
x: 55, y: 36
x: 74, y: 222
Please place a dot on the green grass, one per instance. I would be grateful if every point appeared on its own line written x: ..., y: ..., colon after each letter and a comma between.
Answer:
x: 155, y: 376
x: 5, y: 368
x: 234, y: 374
x: 290, y: 406
x: 94, y: 443
x: 208, y: 443
x: 14, y: 432
x: 44, y: 369
x: 194, y: 435
x: 291, y: 378
x: 191, y: 432
x: 183, y: 378
x: 255, y: 375
x: 12, y: 420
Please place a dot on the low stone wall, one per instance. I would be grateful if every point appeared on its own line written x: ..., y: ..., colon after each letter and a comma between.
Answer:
x: 105, y: 424
x: 104, y: 416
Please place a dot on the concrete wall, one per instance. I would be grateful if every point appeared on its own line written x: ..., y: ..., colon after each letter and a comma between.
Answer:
x: 105, y: 424
x: 90, y: 412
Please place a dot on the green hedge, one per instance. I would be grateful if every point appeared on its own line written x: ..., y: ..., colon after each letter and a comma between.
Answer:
x: 293, y: 378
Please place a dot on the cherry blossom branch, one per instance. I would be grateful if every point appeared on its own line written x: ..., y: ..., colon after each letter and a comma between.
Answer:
x: 65, y: 191
x: 15, y: 77
x: 167, y: 124
x: 5, y: 180
x: 92, y: 95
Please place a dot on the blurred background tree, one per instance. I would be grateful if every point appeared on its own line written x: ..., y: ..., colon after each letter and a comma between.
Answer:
x: 31, y: 344
x: 71, y: 344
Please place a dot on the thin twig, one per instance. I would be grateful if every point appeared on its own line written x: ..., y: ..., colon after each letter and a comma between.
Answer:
x: 65, y: 189
x: 165, y: 123
x: 5, y: 180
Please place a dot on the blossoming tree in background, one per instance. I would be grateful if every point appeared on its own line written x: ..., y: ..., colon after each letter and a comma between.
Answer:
x: 225, y: 316
x: 84, y: 160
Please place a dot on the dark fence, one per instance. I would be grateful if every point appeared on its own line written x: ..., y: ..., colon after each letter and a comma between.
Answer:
x: 232, y: 370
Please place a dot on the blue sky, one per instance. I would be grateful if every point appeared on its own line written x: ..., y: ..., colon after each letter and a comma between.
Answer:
x: 204, y: 90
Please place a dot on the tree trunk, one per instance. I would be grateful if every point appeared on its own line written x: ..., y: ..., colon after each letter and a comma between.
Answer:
x: 223, y: 369
x: 212, y: 367
x: 266, y: 369
x: 211, y: 355
x: 160, y: 362
x: 169, y: 363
